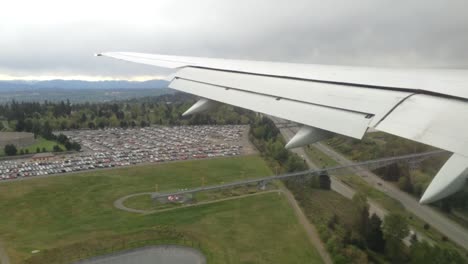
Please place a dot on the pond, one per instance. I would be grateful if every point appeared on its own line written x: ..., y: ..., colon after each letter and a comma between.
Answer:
x: 170, y: 254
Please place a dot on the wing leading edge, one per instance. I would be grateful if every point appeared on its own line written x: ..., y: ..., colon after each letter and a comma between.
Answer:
x: 415, y: 104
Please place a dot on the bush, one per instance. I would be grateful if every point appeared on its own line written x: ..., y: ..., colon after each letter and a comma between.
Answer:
x: 10, y: 150
x: 56, y: 148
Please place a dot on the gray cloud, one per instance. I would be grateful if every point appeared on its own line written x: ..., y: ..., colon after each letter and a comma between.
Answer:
x: 413, y: 33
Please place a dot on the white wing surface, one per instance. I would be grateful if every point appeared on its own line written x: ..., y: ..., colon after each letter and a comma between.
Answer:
x: 428, y: 106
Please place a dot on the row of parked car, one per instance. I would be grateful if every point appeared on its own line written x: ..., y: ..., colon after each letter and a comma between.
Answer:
x: 203, y: 142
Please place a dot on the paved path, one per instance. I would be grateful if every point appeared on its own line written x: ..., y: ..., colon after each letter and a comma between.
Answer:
x: 3, y: 255
x: 449, y: 228
x: 119, y: 203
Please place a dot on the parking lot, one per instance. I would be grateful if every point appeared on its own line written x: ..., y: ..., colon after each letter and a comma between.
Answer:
x: 123, y: 147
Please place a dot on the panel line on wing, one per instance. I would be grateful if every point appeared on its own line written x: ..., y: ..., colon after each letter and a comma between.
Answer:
x: 351, y: 84
x: 276, y: 97
x: 339, y: 121
x: 394, y: 107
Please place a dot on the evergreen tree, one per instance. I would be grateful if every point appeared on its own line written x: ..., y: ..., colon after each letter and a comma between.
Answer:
x: 10, y: 150
x: 395, y: 229
x: 374, y: 237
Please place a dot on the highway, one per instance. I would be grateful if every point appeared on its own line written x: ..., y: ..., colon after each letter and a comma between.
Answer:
x: 437, y: 220
x: 337, y: 185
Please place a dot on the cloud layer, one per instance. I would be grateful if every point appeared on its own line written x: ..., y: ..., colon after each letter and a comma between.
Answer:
x: 56, y: 38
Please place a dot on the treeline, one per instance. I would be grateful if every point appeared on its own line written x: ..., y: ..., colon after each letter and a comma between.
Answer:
x: 43, y: 118
x: 268, y: 140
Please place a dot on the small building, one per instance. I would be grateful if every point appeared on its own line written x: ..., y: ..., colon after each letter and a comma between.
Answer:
x: 42, y: 156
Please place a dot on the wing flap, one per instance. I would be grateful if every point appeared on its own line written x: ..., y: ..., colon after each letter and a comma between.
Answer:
x: 432, y: 120
x: 364, y: 100
x: 344, y: 122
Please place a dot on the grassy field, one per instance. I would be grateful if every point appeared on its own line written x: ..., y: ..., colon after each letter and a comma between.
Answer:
x: 40, y: 143
x: 61, y: 212
x: 319, y: 158
x: 321, y: 205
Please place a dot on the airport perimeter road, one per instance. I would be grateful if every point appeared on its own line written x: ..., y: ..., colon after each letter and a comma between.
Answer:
x: 449, y: 228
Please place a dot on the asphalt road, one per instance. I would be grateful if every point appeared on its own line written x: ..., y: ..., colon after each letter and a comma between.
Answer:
x: 338, y: 186
x: 437, y: 220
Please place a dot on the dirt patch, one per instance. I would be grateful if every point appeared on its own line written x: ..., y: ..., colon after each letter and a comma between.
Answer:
x: 19, y: 139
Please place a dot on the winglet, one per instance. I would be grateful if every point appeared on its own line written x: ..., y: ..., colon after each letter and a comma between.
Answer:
x: 448, y: 180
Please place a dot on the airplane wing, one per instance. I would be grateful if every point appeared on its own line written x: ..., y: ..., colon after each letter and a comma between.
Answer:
x: 427, y: 106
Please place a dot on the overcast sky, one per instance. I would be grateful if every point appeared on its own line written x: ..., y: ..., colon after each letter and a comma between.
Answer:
x: 57, y: 39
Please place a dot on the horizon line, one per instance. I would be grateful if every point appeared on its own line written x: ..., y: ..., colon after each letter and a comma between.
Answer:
x: 89, y: 78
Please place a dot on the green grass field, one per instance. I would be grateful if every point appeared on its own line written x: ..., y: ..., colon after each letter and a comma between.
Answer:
x: 60, y: 212
x: 319, y: 158
x: 40, y: 143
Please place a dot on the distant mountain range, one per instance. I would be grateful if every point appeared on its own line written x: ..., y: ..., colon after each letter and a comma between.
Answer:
x: 77, y: 85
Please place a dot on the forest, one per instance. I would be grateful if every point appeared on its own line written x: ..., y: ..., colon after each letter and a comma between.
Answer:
x: 45, y: 117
